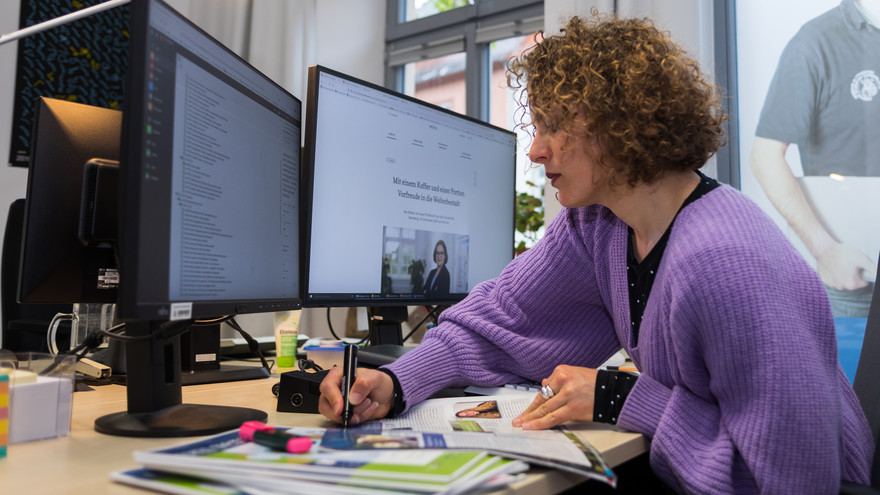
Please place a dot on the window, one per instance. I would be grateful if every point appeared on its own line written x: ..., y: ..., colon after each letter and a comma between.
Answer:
x: 440, y: 81
x: 503, y: 105
x: 418, y: 9
x: 452, y: 53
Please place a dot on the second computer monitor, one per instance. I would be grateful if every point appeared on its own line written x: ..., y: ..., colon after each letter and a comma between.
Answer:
x: 407, y: 203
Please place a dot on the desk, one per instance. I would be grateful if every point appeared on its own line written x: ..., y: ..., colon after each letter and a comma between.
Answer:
x: 81, y: 462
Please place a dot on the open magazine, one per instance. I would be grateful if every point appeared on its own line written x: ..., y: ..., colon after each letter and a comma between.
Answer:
x: 476, y: 423
x: 440, y: 446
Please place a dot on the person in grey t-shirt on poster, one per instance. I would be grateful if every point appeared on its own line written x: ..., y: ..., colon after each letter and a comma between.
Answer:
x: 825, y: 98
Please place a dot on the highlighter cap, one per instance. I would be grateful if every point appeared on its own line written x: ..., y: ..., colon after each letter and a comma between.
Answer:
x: 246, y: 432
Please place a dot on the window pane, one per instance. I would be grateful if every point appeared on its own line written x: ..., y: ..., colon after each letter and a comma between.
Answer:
x: 439, y: 81
x: 417, y: 9
x: 502, y: 107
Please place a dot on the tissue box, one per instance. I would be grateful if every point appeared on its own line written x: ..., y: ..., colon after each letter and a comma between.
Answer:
x: 41, y: 398
x: 40, y: 409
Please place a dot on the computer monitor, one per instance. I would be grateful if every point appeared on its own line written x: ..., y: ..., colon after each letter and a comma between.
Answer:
x: 56, y: 265
x: 209, y: 176
x: 393, y: 184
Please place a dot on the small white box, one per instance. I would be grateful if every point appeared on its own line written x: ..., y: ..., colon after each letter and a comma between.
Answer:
x: 40, y: 409
x: 40, y: 396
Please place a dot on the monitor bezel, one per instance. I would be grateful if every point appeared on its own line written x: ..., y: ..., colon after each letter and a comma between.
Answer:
x: 308, y: 193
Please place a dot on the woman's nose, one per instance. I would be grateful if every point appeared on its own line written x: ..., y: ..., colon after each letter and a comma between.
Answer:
x: 539, y: 151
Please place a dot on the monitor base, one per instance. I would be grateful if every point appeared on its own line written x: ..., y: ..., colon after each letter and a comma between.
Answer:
x: 226, y: 373
x: 181, y: 420
x: 374, y: 356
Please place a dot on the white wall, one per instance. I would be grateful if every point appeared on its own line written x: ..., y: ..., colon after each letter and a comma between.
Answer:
x: 12, y: 179
x: 351, y: 37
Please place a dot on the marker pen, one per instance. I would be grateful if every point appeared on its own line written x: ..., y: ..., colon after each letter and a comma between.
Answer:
x: 349, y: 367
x: 267, y: 436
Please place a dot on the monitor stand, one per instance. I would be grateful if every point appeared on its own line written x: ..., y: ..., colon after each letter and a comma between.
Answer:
x: 200, y: 359
x: 386, y: 336
x: 154, y: 394
x: 194, y: 370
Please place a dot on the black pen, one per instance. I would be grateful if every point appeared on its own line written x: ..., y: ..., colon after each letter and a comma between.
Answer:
x: 349, y: 367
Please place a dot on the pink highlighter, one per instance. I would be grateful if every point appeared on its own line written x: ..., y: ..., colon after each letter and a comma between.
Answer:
x: 263, y: 434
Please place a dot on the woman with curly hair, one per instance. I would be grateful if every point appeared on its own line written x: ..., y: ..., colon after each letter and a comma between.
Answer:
x: 739, y: 388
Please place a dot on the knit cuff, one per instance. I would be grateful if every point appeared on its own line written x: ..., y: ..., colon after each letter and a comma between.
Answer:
x: 425, y: 370
x: 644, y: 407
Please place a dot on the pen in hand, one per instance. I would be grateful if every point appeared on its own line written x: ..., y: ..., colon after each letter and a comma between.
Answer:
x: 349, y: 367
x: 265, y: 435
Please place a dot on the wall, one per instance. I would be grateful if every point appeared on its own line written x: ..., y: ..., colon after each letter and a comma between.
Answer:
x: 12, y: 179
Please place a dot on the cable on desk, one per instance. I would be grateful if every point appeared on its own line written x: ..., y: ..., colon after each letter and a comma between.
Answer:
x: 253, y: 345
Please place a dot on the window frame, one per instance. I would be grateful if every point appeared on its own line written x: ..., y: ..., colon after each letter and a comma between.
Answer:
x: 727, y: 159
x: 469, y: 29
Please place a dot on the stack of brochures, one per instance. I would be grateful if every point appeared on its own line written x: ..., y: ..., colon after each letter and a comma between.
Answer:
x: 441, y: 446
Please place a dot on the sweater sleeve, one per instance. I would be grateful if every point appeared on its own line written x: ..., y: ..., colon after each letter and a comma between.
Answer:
x: 546, y: 308
x: 754, y: 403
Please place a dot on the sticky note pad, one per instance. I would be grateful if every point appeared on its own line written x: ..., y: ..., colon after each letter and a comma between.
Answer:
x: 4, y: 414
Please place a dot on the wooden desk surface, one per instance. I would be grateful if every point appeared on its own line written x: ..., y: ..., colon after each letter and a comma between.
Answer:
x: 82, y: 461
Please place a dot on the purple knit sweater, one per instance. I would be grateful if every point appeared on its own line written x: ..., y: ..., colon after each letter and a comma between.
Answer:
x: 740, y: 390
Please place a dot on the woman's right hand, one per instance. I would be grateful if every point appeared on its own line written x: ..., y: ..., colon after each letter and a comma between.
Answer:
x: 841, y: 267
x: 371, y: 395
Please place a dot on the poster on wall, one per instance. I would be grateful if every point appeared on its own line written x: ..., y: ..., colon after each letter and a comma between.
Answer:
x: 808, y: 93
x: 82, y: 61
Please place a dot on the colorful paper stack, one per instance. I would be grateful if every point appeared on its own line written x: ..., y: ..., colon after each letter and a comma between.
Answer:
x: 4, y: 414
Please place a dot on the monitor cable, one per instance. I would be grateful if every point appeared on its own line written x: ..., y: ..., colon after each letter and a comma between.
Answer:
x: 252, y: 343
x: 431, y: 314
x: 330, y: 325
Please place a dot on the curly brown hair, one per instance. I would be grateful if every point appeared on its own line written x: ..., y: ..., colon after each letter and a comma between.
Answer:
x: 627, y: 84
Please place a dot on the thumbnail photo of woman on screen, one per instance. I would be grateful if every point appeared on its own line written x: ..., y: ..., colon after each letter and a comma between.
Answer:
x: 437, y: 282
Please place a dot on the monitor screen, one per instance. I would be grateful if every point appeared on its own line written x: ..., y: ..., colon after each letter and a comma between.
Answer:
x: 209, y: 211
x: 211, y: 173
x: 56, y: 265
x: 406, y: 202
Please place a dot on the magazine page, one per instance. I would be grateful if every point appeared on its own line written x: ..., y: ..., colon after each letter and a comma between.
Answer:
x: 453, y: 436
x: 227, y: 450
x: 491, y: 471
x: 478, y: 413
x: 475, y: 423
x: 173, y: 483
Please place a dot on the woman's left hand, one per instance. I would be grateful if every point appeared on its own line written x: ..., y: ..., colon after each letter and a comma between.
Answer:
x: 573, y: 394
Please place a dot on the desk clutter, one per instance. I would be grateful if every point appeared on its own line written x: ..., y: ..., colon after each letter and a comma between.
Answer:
x: 4, y: 414
x: 447, y: 445
x: 231, y: 463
